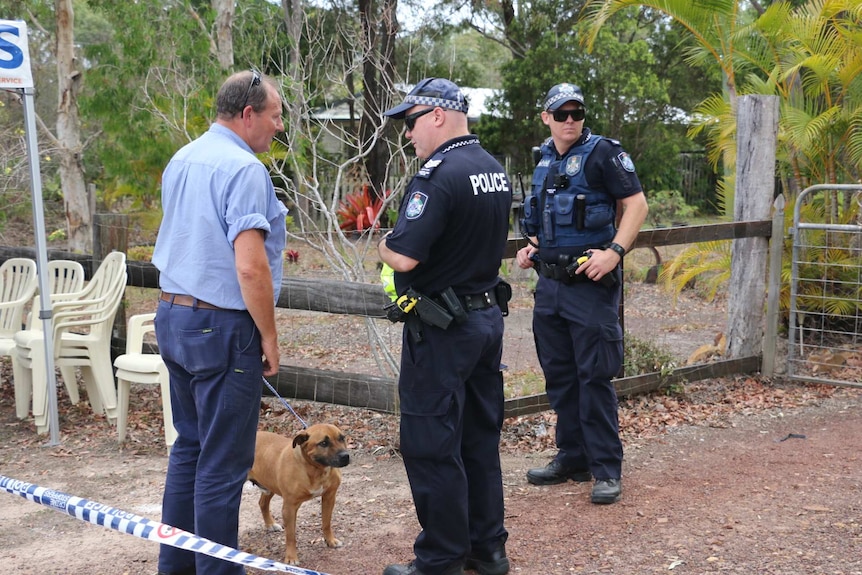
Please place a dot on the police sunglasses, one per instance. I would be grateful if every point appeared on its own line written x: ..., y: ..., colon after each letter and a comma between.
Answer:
x: 255, y: 81
x: 410, y: 120
x: 577, y: 115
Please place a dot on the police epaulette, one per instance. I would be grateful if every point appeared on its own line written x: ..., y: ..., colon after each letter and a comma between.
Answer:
x: 428, y: 167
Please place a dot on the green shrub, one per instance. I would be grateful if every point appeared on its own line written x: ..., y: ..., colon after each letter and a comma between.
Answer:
x: 642, y: 356
x: 668, y: 206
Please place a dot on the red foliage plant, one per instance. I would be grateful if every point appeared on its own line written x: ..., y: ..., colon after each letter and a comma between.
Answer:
x: 359, y: 210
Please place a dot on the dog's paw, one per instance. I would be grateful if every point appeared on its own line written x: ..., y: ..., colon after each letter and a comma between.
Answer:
x: 291, y: 559
x: 333, y: 542
x: 274, y: 527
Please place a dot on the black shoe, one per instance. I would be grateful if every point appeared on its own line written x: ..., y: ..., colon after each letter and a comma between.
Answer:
x: 555, y: 472
x: 411, y: 569
x: 607, y: 491
x: 495, y: 563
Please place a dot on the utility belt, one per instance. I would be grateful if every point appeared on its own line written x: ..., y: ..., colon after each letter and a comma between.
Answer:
x: 564, y: 270
x: 445, y: 309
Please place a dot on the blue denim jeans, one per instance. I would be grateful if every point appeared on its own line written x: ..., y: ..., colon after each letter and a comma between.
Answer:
x: 215, y: 366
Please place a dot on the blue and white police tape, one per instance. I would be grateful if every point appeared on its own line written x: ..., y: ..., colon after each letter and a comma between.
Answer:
x: 131, y: 524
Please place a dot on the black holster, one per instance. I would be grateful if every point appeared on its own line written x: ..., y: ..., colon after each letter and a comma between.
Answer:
x: 503, y: 291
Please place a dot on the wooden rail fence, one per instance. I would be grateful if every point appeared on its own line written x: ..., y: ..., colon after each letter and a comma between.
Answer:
x: 361, y: 299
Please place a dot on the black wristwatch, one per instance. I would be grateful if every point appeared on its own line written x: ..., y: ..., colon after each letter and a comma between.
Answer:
x: 621, y: 251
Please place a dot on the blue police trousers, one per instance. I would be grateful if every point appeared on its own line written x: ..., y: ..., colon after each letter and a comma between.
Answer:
x: 214, y: 361
x: 451, y: 392
x: 579, y: 342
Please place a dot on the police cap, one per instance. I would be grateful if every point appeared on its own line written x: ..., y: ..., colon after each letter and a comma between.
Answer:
x: 560, y: 94
x: 436, y: 92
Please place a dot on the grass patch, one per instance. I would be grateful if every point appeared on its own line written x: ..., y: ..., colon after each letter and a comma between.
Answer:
x: 523, y: 383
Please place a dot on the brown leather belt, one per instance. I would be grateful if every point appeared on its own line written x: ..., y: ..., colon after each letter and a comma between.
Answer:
x: 186, y: 301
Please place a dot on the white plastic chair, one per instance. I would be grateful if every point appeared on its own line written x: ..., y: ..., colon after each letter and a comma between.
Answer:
x: 64, y: 277
x: 91, y: 309
x: 18, y: 283
x: 134, y: 366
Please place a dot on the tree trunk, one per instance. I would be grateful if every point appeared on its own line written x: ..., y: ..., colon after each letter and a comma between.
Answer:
x: 389, y: 32
x: 77, y: 205
x: 293, y: 17
x: 378, y: 77
x: 757, y: 129
x: 295, y: 91
x: 224, y: 10
x: 371, y: 109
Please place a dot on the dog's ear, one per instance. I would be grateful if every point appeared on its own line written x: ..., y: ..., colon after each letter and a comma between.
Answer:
x: 300, y: 438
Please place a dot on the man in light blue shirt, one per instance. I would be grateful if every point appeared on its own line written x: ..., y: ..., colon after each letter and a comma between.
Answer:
x: 219, y: 254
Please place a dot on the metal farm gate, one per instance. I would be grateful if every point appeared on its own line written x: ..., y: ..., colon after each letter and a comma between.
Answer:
x: 825, y: 332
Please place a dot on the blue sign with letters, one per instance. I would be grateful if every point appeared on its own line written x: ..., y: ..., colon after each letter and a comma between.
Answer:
x: 14, y: 55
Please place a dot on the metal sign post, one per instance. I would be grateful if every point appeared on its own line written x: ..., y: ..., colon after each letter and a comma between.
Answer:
x: 15, y: 76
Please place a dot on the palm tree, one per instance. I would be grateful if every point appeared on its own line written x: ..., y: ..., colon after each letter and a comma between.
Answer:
x: 809, y: 56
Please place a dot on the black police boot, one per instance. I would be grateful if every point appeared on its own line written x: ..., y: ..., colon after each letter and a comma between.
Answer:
x: 555, y: 472
x: 494, y: 563
x: 607, y: 491
x: 411, y: 569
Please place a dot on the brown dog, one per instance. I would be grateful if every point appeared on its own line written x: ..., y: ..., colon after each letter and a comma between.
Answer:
x: 297, y: 472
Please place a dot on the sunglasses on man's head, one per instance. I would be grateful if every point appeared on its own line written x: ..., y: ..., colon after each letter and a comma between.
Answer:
x: 410, y: 119
x: 577, y: 115
x: 255, y: 81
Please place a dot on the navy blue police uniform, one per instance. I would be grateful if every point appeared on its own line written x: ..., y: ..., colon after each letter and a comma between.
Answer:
x: 576, y: 326
x: 453, y: 219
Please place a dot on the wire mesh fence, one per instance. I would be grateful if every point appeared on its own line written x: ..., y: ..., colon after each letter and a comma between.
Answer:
x: 825, y: 336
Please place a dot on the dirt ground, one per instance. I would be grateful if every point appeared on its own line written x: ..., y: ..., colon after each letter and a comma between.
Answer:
x: 771, y: 484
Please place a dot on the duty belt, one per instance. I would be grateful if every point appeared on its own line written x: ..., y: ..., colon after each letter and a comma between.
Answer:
x: 478, y: 301
x: 559, y: 273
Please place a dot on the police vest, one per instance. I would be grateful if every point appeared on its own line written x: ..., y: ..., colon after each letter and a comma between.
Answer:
x: 563, y: 210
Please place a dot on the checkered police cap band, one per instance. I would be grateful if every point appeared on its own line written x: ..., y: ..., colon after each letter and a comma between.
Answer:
x: 562, y: 93
x: 434, y: 92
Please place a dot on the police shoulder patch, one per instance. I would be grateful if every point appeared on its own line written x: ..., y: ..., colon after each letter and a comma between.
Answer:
x: 415, y: 205
x: 626, y: 162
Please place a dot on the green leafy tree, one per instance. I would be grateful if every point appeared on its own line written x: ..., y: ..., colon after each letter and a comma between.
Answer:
x: 627, y: 99
x: 804, y: 52
x: 148, y: 98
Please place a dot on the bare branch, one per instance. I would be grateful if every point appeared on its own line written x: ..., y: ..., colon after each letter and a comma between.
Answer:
x: 202, y: 25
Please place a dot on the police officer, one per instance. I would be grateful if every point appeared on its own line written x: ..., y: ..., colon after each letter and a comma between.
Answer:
x: 585, y: 211
x: 449, y: 240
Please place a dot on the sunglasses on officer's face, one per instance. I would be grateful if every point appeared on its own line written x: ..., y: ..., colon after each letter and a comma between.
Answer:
x: 410, y: 120
x: 577, y: 115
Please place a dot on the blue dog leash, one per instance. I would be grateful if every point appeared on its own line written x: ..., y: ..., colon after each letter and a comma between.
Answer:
x: 287, y: 405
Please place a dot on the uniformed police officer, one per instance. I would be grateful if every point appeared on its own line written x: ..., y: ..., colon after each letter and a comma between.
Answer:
x: 449, y: 240
x: 585, y: 211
